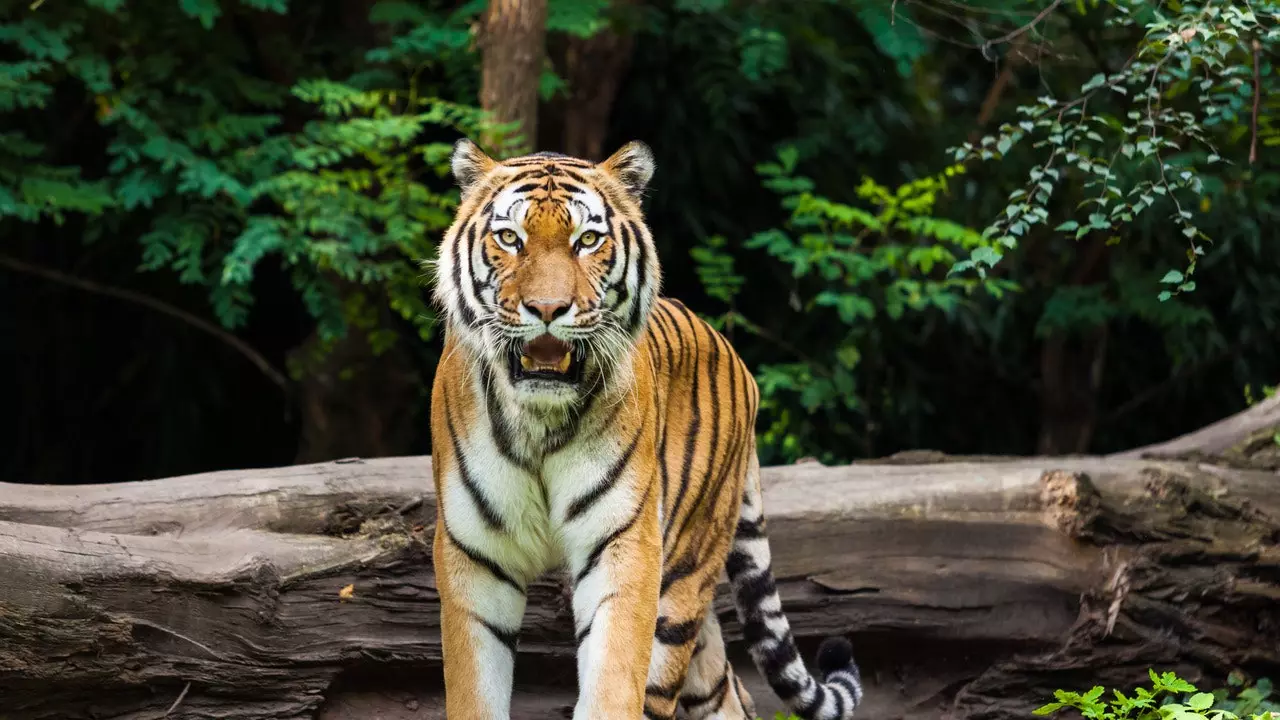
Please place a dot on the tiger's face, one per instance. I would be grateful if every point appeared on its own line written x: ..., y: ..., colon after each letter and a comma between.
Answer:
x: 548, y: 272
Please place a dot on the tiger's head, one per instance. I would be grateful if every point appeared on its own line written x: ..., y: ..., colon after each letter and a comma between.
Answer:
x: 549, y: 271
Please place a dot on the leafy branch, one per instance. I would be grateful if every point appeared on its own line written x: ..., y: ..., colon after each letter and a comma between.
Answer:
x: 1143, y: 155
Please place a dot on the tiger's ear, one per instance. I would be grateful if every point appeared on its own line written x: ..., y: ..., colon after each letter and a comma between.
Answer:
x: 469, y: 163
x: 632, y: 165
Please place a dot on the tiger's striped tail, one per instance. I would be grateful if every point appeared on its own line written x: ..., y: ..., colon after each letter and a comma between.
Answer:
x: 768, y: 634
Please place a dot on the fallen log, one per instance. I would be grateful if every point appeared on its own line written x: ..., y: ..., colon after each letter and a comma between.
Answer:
x: 971, y: 588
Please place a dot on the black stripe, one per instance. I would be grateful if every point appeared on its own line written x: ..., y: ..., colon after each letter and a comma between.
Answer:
x: 751, y: 390
x: 680, y: 333
x: 739, y: 691
x: 748, y: 530
x: 477, y: 283
x: 680, y: 633
x: 659, y: 318
x: 774, y: 660
x: 663, y: 464
x: 478, y: 558
x: 810, y: 709
x: 713, y: 362
x: 690, y: 442
x: 510, y: 638
x: 738, y: 563
x: 642, y: 280
x: 498, y: 427
x: 751, y: 591
x: 846, y: 681
x: 464, y: 310
x: 582, y: 634
x: 733, y: 391
x: 560, y: 437
x: 487, y: 512
x: 606, y: 483
x: 594, y: 558
x: 840, y: 706
x: 620, y: 287
x: 576, y: 177
x: 698, y: 647
x: 691, y: 702
x: 679, y: 570
x: 668, y: 692
x: 655, y: 715
x: 525, y: 174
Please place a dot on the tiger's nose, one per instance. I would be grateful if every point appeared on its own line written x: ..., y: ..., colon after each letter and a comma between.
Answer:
x: 548, y: 310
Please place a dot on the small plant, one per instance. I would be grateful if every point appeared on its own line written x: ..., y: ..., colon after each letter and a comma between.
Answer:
x: 856, y: 268
x: 1169, y: 698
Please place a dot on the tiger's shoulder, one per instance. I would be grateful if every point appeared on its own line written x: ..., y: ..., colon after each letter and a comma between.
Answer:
x: 682, y: 346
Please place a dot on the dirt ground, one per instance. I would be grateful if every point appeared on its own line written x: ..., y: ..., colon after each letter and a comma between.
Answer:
x: 902, y: 683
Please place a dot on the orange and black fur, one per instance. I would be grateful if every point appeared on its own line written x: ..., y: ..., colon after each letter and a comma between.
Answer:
x: 579, y: 421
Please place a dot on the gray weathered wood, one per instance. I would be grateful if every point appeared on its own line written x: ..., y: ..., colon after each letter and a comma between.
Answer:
x: 971, y: 586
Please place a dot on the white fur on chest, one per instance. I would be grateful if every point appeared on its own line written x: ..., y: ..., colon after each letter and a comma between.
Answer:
x: 535, y: 532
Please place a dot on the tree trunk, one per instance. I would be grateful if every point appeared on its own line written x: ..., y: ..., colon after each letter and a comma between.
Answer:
x: 593, y: 69
x: 972, y: 588
x: 1071, y: 367
x: 353, y: 399
x: 513, y: 39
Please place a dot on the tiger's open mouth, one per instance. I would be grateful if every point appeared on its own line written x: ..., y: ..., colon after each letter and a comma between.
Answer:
x: 546, y: 357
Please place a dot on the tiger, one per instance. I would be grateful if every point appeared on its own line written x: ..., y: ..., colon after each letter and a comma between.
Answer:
x: 582, y: 423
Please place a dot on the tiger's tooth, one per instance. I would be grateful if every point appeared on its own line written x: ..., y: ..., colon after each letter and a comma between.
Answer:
x: 563, y: 365
x: 526, y: 362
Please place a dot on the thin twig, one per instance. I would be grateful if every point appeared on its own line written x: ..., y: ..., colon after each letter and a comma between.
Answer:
x: 1015, y: 33
x: 1257, y: 98
x: 236, y: 343
x: 181, y: 696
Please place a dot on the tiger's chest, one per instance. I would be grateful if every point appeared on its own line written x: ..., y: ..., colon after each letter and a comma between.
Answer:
x: 535, y: 516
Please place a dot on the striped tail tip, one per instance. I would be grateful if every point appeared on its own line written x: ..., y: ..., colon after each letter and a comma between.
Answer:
x: 836, y: 666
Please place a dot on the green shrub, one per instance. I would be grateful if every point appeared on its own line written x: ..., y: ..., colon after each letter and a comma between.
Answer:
x: 1169, y: 698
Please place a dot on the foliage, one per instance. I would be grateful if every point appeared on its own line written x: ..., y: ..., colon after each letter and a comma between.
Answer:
x: 279, y: 166
x: 855, y: 266
x: 1168, y: 698
x: 1140, y: 138
x: 353, y: 199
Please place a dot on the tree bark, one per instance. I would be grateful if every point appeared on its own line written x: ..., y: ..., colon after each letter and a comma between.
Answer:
x: 513, y: 39
x: 593, y: 69
x: 972, y: 588
x: 1071, y: 368
x: 353, y: 399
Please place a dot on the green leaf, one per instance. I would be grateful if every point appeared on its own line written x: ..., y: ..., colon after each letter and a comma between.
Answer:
x: 582, y: 18
x: 206, y: 11
x: 1200, y: 701
x: 1094, y: 82
x: 986, y: 255
x: 276, y: 6
x: 1172, y: 277
x: 895, y: 32
x: 1068, y: 226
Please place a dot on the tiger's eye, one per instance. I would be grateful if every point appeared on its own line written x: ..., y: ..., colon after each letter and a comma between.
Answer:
x: 508, y: 237
x: 589, y: 239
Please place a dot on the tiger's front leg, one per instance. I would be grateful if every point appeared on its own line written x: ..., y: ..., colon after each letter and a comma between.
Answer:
x: 615, y: 609
x: 481, y: 607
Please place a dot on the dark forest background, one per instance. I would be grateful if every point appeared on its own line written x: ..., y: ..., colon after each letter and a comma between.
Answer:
x: 976, y: 226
